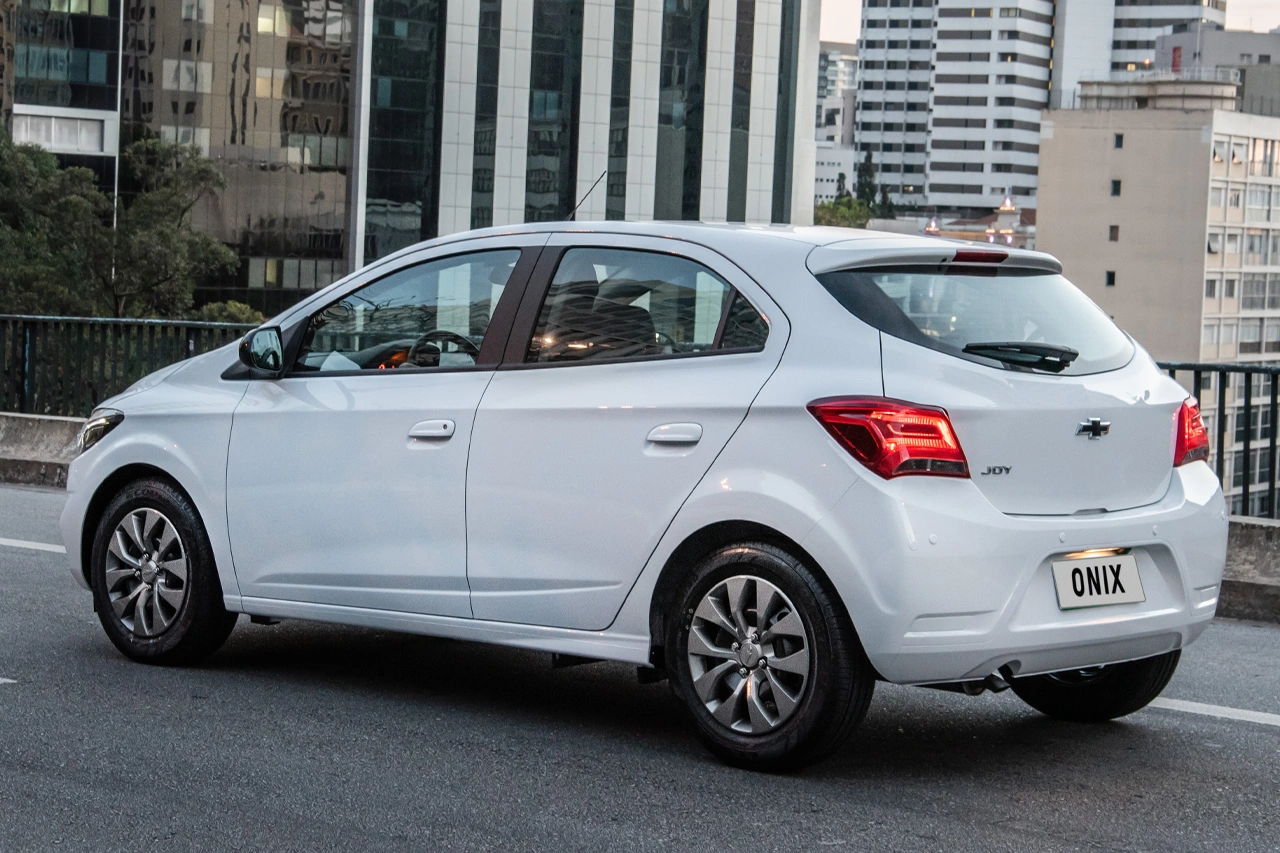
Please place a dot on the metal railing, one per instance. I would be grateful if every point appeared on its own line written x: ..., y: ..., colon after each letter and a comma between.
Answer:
x: 1239, y: 414
x: 68, y: 365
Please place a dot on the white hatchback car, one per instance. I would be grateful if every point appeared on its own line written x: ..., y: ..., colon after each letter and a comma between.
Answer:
x: 771, y: 464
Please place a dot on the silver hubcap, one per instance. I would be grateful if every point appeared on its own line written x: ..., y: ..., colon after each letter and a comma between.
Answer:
x: 748, y: 654
x: 146, y: 575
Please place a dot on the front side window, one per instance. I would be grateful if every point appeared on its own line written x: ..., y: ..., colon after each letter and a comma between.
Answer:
x: 608, y: 304
x: 430, y: 315
x: 966, y: 312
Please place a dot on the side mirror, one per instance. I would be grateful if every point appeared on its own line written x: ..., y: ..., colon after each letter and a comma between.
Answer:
x: 263, y: 353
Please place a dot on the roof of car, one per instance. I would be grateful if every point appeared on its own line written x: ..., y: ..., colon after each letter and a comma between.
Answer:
x: 708, y: 233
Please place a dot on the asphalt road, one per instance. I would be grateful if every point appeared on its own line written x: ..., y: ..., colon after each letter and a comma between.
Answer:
x: 309, y: 737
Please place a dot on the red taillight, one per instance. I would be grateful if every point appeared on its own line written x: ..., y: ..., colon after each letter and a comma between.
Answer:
x: 979, y: 256
x: 893, y: 438
x: 1191, y: 439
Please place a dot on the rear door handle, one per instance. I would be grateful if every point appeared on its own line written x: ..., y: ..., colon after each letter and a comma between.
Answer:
x: 427, y: 430
x: 676, y: 434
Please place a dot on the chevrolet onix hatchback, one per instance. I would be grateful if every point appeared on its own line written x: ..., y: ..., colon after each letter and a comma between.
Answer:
x: 774, y: 465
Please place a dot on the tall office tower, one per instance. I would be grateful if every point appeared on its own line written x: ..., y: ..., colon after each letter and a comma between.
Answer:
x: 991, y: 80
x: 950, y: 91
x: 350, y: 129
x: 895, y: 75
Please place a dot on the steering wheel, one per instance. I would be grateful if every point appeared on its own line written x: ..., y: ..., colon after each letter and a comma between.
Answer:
x: 430, y: 338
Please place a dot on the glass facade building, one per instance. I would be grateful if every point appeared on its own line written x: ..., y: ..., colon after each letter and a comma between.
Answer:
x: 350, y: 129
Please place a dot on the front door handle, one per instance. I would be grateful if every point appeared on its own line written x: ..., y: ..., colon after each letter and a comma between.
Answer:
x: 428, y: 430
x: 676, y: 434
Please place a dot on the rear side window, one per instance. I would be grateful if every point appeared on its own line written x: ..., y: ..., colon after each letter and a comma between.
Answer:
x: 609, y: 304
x: 950, y: 308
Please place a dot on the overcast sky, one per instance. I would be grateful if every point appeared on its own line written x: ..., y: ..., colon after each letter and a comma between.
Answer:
x: 840, y: 18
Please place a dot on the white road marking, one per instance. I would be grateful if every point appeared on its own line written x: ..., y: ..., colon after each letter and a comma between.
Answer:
x: 1217, y: 711
x: 7, y: 681
x: 33, y: 546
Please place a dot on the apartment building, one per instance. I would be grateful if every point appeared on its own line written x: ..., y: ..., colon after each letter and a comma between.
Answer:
x: 837, y: 93
x: 1256, y: 56
x: 1169, y: 219
x: 950, y: 91
x: 348, y: 129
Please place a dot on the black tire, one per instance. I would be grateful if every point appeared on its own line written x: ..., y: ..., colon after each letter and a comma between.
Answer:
x: 1101, y: 693
x: 182, y: 634
x: 840, y: 679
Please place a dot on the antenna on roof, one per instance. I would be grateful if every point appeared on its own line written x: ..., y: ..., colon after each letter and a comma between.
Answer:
x: 585, y: 197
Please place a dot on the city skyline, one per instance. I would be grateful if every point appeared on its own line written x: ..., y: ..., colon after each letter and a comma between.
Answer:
x: 841, y: 19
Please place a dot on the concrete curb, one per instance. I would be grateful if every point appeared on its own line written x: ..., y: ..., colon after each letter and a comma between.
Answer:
x: 1259, y: 602
x: 35, y: 450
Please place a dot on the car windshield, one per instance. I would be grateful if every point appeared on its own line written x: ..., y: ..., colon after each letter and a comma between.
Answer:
x: 950, y: 308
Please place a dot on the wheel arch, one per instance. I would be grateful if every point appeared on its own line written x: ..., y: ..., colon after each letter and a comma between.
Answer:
x: 702, y: 543
x: 107, y: 489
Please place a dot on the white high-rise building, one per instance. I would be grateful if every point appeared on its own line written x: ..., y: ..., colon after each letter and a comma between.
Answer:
x: 951, y: 91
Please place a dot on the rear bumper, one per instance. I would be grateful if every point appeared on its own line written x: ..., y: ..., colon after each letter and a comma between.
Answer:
x: 943, y: 587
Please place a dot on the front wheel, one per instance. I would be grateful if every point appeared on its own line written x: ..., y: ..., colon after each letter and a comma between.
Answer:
x: 766, y: 659
x: 155, y: 585
x: 1098, y: 693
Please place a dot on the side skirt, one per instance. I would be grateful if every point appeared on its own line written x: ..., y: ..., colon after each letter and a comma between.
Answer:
x: 602, y: 645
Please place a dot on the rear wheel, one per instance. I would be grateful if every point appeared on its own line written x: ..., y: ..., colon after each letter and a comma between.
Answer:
x: 1098, y: 693
x: 765, y: 659
x: 155, y: 585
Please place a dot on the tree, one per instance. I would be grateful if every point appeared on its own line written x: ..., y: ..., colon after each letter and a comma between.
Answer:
x: 845, y: 211
x: 867, y: 182
x: 885, y: 210
x: 149, y: 264
x: 842, y: 188
x: 229, y: 312
x: 48, y: 219
x: 59, y: 252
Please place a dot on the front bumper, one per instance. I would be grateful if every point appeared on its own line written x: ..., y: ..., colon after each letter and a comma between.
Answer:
x: 943, y: 587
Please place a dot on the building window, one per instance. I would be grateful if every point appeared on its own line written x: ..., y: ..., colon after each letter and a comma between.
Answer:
x: 1115, y: 188
x: 1253, y: 293
x: 1250, y: 336
x: 784, y: 135
x: 1229, y: 288
x: 555, y: 79
x: 1111, y: 278
x: 681, y: 88
x: 1271, y: 342
x: 1209, y: 334
x: 1113, y: 233
x: 1215, y: 243
x: 619, y: 110
x: 58, y: 134
x: 1235, y: 198
x: 1210, y: 288
x: 740, y: 118
x: 1233, y: 244
x: 1119, y: 140
x: 486, y: 113
x: 1217, y: 196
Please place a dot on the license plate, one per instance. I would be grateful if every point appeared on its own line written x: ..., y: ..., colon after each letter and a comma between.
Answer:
x: 1097, y: 581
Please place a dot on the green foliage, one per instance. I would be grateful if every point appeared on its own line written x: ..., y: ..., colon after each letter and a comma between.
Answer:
x: 59, y: 253
x: 229, y: 312
x: 866, y: 191
x: 886, y: 210
x: 48, y: 219
x: 149, y: 265
x: 846, y: 212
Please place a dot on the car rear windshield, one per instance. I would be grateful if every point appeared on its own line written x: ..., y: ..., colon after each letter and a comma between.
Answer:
x: 949, y: 308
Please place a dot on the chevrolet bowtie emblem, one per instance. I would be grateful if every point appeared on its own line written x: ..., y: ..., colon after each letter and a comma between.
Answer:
x: 1094, y: 428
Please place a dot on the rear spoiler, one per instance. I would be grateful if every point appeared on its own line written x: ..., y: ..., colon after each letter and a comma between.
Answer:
x: 852, y: 254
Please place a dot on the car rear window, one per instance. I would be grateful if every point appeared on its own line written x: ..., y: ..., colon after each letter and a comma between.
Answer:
x: 947, y: 309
